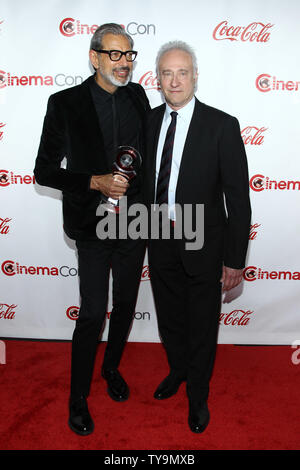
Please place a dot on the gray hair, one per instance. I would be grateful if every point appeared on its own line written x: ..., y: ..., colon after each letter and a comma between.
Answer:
x: 172, y: 45
x: 108, y: 28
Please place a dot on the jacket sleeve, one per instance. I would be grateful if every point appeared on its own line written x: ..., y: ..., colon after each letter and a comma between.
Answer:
x: 235, y: 182
x: 52, y: 150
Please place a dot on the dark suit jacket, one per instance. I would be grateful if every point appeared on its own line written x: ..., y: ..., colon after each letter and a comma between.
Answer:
x: 71, y: 129
x: 213, y: 165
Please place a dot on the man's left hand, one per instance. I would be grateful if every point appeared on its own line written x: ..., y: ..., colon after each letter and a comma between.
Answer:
x: 231, y: 278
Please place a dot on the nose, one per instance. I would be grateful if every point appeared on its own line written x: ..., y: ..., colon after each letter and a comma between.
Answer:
x: 174, y: 81
x: 123, y: 62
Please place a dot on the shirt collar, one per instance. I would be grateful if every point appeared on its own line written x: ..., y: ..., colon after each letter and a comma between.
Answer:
x: 100, y: 92
x: 184, y: 113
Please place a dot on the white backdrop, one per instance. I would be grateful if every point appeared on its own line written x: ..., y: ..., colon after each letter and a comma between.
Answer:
x: 248, y: 66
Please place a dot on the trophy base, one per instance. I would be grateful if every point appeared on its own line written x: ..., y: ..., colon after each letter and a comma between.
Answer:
x: 108, y: 206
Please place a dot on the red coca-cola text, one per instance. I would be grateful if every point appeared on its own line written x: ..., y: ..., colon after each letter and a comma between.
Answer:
x: 254, y: 32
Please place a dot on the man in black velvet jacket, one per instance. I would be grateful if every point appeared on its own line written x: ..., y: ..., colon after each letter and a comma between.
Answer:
x: 85, y: 124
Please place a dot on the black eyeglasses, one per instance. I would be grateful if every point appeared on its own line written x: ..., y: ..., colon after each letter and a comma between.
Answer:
x: 116, y: 55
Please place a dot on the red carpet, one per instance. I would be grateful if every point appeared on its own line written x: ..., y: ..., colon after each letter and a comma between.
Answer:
x: 254, y: 401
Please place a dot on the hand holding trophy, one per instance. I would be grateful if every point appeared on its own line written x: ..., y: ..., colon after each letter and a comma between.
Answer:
x: 125, y: 168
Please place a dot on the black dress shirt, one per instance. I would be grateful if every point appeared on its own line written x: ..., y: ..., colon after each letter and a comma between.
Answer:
x: 119, y: 119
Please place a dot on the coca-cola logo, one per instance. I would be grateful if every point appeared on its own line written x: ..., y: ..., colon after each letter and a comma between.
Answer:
x: 4, y: 226
x: 253, y: 273
x: 7, y: 312
x: 9, y: 178
x: 72, y: 312
x: 253, y: 135
x: 265, y: 83
x: 236, y: 318
x: 254, y: 32
x: 145, y: 273
x: 260, y: 183
x: 253, y: 231
x: 69, y: 27
x: 1, y: 131
x: 149, y: 81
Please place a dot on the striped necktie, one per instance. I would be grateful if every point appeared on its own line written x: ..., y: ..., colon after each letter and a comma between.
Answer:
x: 166, y: 162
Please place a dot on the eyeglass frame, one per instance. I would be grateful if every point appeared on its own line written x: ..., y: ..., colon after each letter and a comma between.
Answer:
x: 103, y: 51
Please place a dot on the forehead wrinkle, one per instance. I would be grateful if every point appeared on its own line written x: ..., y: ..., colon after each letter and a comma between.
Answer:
x: 116, y: 42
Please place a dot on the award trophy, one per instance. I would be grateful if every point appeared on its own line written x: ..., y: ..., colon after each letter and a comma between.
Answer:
x: 125, y: 168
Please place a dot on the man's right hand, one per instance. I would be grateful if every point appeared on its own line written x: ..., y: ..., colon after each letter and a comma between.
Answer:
x: 109, y: 185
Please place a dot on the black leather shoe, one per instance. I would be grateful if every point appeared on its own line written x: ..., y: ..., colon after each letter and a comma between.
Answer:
x: 168, y: 387
x: 80, y: 420
x: 198, y: 417
x: 117, y: 388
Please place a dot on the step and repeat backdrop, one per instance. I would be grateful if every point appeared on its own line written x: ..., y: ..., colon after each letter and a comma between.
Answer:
x: 248, y: 66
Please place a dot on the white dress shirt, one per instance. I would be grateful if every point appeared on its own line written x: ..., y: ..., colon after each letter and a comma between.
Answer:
x: 182, y: 126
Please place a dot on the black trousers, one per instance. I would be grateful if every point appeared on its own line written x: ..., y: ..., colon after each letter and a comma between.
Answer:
x: 188, y: 310
x: 95, y: 259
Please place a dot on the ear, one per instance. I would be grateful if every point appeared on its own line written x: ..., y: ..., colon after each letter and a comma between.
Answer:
x: 94, y: 58
x: 158, y: 79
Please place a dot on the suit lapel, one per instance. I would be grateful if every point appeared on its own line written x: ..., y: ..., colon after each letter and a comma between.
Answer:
x: 153, y: 137
x: 191, y: 147
x: 87, y: 121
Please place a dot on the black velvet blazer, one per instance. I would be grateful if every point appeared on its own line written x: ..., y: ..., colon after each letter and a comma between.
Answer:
x: 71, y: 130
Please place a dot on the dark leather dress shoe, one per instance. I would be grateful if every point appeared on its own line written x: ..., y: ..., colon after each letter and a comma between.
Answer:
x: 80, y: 420
x: 168, y: 387
x: 198, y: 417
x: 117, y: 388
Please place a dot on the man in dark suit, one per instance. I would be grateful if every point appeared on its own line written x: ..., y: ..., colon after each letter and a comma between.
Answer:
x: 86, y: 124
x: 195, y: 156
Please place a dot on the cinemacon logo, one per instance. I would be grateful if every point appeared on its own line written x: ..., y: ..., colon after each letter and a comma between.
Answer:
x: 260, y: 183
x: 253, y: 273
x: 73, y: 313
x: 60, y: 79
x: 12, y: 268
x: 9, y: 178
x: 70, y: 27
x: 265, y: 82
x: 254, y: 32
